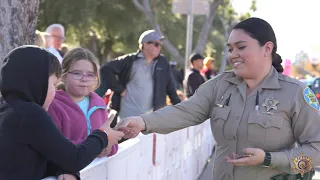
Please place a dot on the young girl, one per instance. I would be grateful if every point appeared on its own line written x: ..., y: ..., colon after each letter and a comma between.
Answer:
x: 28, y: 136
x: 76, y: 109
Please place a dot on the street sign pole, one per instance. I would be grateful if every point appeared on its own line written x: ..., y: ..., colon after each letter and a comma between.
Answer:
x: 189, y: 34
x: 190, y: 8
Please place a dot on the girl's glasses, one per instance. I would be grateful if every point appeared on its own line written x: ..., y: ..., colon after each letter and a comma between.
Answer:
x: 79, y: 75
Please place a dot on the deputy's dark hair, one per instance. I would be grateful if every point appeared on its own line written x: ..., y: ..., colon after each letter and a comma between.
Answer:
x: 262, y: 31
x: 54, y: 66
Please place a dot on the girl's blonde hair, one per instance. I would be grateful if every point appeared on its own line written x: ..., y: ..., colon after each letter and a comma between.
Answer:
x: 42, y: 39
x: 77, y: 54
x: 207, y: 62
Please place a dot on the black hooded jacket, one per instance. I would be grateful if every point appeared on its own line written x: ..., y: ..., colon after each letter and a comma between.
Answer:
x: 28, y: 136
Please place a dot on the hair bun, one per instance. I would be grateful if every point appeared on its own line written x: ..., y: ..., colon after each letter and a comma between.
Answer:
x: 276, y: 62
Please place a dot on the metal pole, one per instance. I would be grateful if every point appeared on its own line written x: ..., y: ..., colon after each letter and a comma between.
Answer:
x: 189, y: 35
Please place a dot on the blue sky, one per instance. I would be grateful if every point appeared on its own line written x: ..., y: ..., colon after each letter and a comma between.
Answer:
x: 295, y: 22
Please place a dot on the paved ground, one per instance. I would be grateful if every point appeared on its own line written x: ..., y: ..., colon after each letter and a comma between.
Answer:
x: 207, y: 173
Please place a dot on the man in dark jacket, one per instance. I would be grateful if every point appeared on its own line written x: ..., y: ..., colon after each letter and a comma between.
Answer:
x: 140, y: 81
x: 194, y: 79
x: 177, y: 75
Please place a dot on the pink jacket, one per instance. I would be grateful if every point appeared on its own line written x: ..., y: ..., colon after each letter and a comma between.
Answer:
x: 70, y: 119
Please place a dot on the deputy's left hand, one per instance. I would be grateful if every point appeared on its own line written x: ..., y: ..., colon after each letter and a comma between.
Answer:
x: 256, y: 157
x: 131, y: 126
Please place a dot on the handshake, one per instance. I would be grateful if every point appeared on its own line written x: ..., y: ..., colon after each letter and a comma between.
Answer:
x: 127, y: 128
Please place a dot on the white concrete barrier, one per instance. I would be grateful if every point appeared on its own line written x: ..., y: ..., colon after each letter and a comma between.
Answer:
x: 180, y: 155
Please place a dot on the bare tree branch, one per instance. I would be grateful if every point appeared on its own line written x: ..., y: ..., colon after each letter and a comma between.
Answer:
x: 149, y: 14
x: 138, y: 5
x: 227, y: 30
x: 146, y: 9
x: 203, y: 36
x: 206, y: 27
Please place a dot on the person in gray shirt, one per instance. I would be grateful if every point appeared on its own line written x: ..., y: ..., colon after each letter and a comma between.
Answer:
x: 140, y: 81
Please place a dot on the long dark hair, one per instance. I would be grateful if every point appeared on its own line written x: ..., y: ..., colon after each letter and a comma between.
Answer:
x: 262, y: 31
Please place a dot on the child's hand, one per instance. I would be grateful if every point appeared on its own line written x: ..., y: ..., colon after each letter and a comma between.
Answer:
x: 113, y: 136
x: 67, y: 177
x: 106, y: 151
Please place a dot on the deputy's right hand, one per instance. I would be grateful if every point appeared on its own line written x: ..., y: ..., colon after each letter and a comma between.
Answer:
x: 131, y: 126
x: 113, y: 135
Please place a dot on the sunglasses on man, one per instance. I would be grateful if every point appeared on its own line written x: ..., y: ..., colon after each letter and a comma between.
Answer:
x: 156, y: 44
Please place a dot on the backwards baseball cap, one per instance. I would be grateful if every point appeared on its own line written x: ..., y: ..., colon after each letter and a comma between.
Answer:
x: 150, y: 36
x: 194, y: 57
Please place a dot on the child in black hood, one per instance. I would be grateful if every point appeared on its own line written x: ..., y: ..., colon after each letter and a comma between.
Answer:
x: 28, y: 137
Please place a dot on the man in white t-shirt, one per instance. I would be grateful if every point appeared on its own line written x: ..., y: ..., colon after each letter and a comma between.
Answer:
x: 55, y: 40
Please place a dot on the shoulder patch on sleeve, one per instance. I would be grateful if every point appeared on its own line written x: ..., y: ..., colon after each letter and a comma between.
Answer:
x: 311, y: 98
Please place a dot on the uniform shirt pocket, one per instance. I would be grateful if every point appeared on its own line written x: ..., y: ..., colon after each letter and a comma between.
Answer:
x: 264, y: 128
x: 218, y: 116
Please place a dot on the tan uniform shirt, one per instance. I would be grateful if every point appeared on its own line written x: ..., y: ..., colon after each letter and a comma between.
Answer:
x: 274, y: 127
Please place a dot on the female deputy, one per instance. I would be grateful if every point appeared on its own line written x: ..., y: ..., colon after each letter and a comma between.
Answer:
x: 257, y: 114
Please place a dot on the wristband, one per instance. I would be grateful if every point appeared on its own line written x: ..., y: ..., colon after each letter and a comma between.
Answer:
x: 105, y: 133
x: 267, y: 160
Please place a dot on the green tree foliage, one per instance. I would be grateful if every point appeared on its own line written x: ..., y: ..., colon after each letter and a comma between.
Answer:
x: 110, y: 28
x: 107, y: 27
